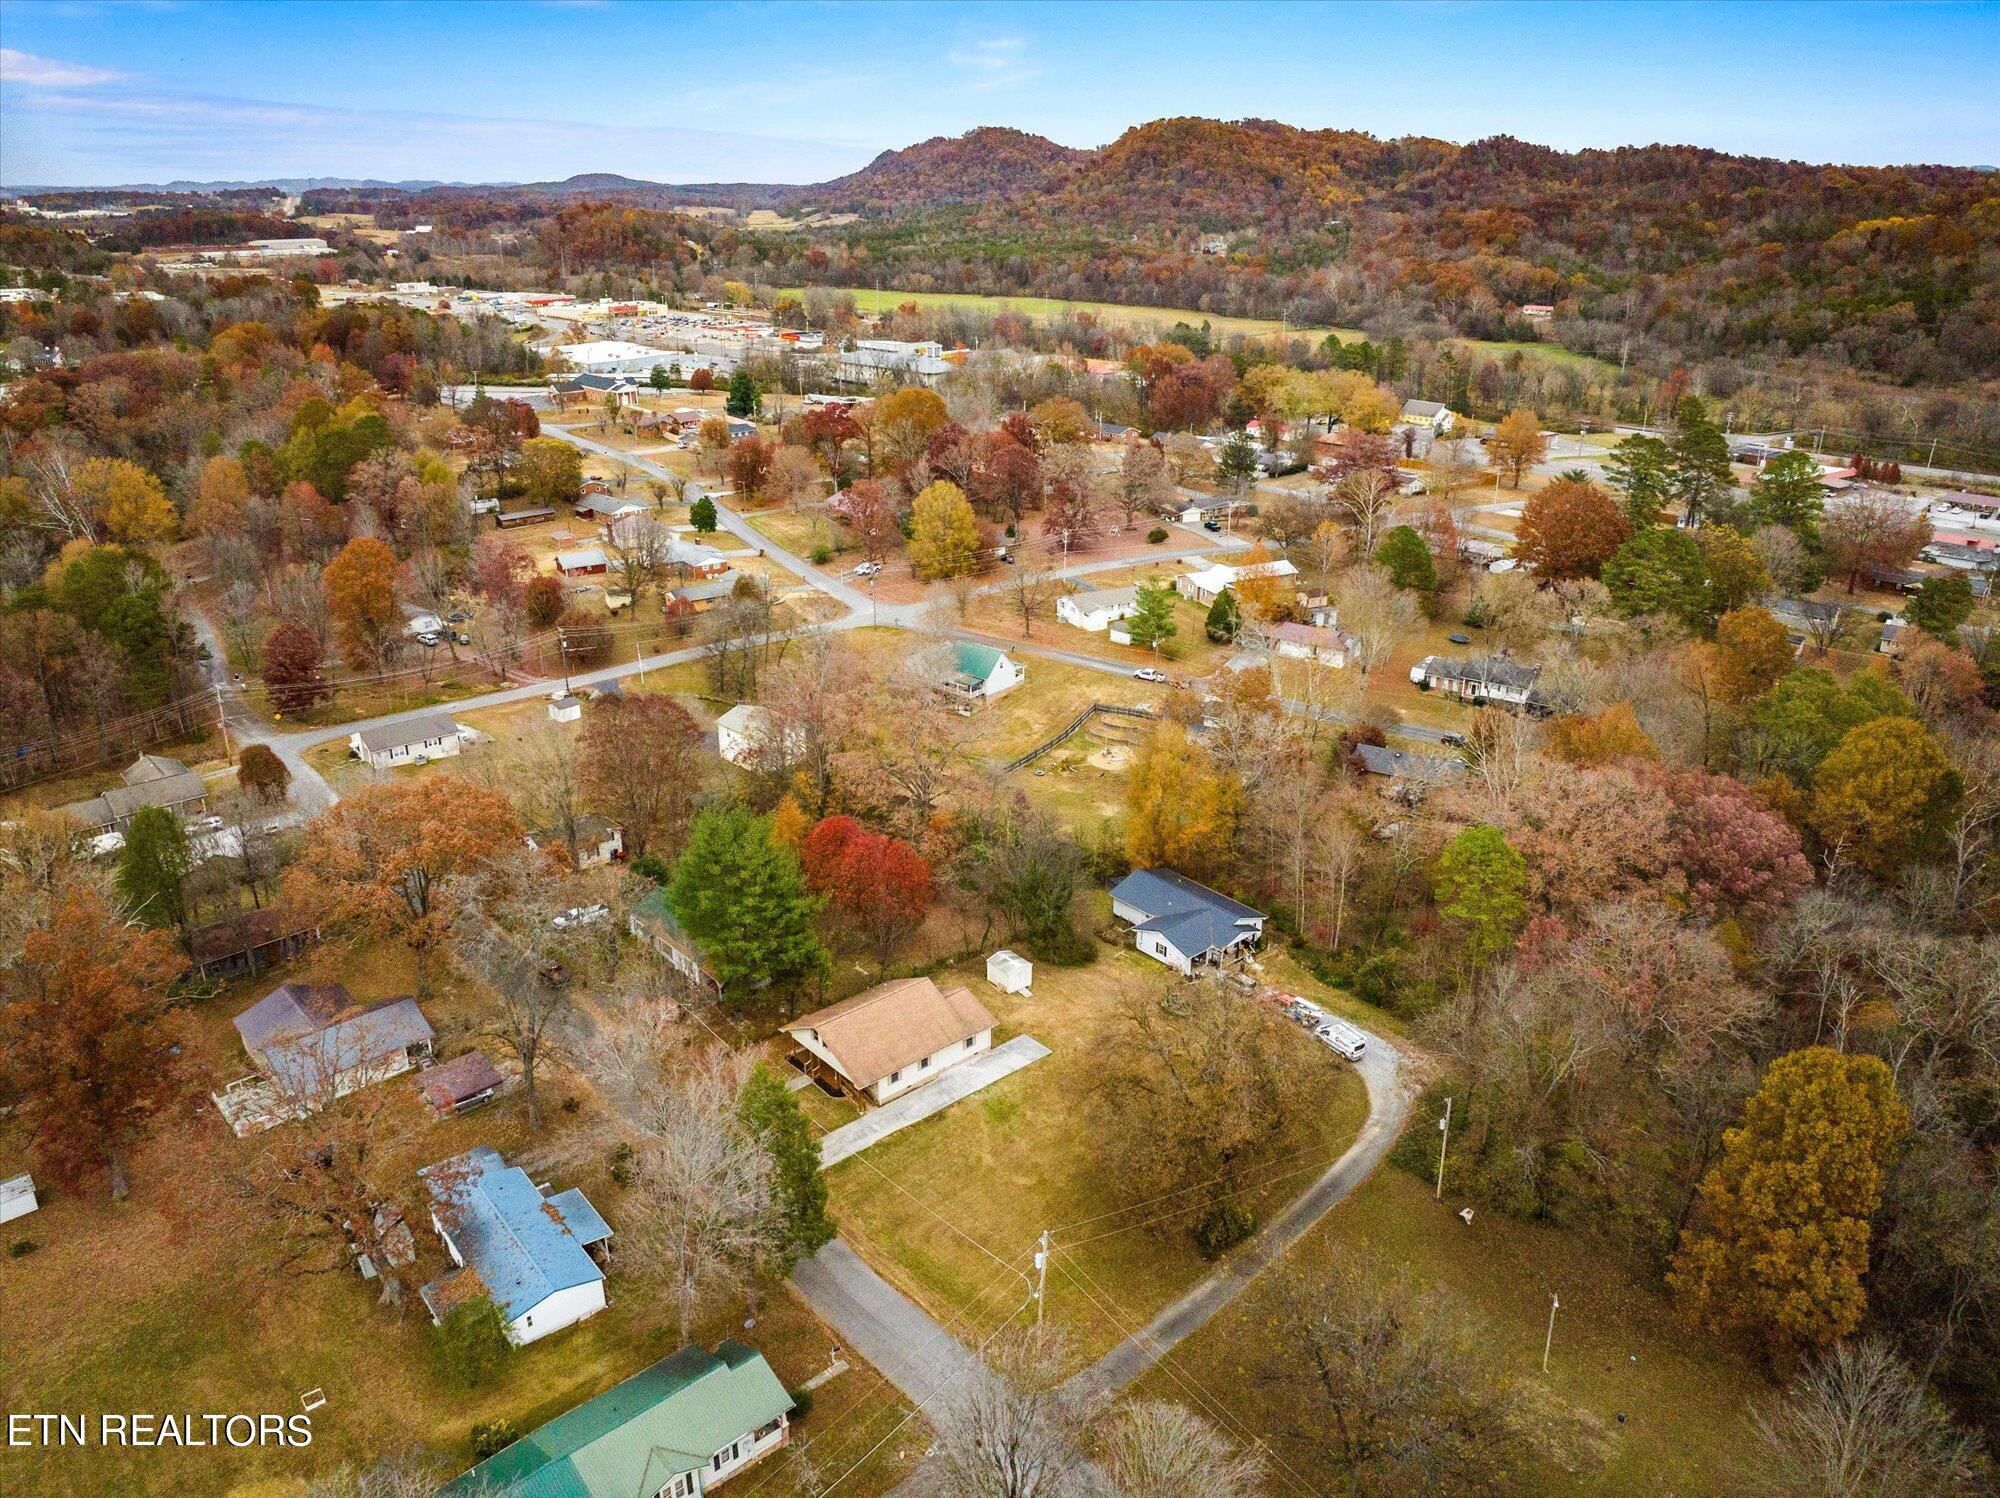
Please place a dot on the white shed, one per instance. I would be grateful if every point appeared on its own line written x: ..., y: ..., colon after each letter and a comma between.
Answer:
x: 1009, y: 971
x: 564, y: 707
x: 17, y: 1197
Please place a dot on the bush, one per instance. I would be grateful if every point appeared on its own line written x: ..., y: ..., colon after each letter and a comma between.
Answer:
x: 471, y: 1342
x: 20, y: 1248
x: 821, y: 555
x: 1061, y: 946
x: 490, y: 1437
x: 1157, y: 534
x: 1478, y: 614
x: 621, y: 1164
x: 1223, y: 1227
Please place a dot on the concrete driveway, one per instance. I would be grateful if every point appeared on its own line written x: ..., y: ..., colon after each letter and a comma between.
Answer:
x: 961, y: 1081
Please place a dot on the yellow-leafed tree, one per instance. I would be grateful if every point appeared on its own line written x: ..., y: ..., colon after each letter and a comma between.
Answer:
x: 1780, y: 1247
x: 1181, y: 809
x: 944, y: 536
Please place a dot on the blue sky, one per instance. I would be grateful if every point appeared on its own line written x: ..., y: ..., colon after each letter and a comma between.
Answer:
x: 525, y: 90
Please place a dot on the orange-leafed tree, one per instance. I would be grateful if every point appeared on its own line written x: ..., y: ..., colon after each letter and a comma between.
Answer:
x: 87, y: 1037
x: 360, y: 588
x: 1517, y: 444
x: 1570, y: 529
x: 383, y: 862
x: 1600, y: 738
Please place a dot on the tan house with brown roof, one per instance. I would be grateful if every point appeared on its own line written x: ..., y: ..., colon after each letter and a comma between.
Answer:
x: 881, y: 1043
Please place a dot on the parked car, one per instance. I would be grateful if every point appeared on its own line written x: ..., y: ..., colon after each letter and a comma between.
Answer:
x: 867, y: 569
x: 1149, y: 673
x: 431, y: 638
x: 1346, y: 1041
x: 1211, y: 524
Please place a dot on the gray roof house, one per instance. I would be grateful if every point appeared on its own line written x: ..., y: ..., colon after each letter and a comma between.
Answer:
x: 1181, y: 923
x: 150, y: 780
x: 311, y: 1044
x: 408, y: 741
x: 1406, y: 767
x: 1484, y: 678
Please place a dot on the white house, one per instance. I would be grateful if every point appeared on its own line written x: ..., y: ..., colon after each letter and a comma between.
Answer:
x: 747, y: 735
x: 409, y: 741
x: 983, y: 671
x: 889, y: 1039
x: 312, y: 1044
x: 1204, y: 586
x: 528, y: 1251
x: 1098, y: 609
x: 1310, y: 642
x: 1181, y: 923
x: 418, y: 620
x: 1485, y: 678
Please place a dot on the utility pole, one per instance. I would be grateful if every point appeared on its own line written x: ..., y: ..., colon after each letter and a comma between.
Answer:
x: 1041, y: 1273
x: 1444, y: 1131
x: 1555, y: 1304
x: 222, y: 722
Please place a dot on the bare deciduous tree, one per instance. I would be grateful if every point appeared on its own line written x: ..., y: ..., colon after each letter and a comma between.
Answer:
x: 1158, y: 1450
x: 1011, y: 1429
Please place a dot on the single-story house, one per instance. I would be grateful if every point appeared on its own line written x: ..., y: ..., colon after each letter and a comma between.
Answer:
x: 675, y: 1430
x: 1181, y: 923
x: 1404, y: 772
x: 1219, y: 508
x: 418, y: 620
x: 585, y: 561
x: 1537, y: 311
x: 890, y: 1038
x: 693, y: 559
x: 1962, y: 556
x: 460, y: 1084
x: 1099, y: 608
x: 606, y: 506
x: 530, y: 515
x: 249, y: 942
x: 1310, y: 642
x: 409, y: 741
x: 151, y: 780
x: 313, y: 1043
x: 1204, y: 585
x: 703, y: 595
x: 653, y: 922
x: 1486, y: 678
x: 982, y: 671
x: 529, y: 1252
x: 1433, y: 414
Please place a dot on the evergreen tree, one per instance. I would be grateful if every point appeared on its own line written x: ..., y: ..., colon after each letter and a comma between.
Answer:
x: 1408, y: 559
x: 1940, y: 605
x: 1659, y: 572
x: 702, y: 516
x: 658, y: 378
x: 1698, y: 476
x: 1638, y: 470
x: 1788, y: 493
x: 772, y: 1114
x: 1224, y: 618
x: 742, y: 899
x: 1152, y: 621
x: 744, y: 398
x: 153, y: 869
x: 1237, y: 461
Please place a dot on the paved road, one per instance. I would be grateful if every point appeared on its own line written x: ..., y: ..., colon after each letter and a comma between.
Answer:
x: 1388, y: 1105
x: 912, y: 1107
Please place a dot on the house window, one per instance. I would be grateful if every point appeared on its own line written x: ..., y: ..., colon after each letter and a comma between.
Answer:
x: 968, y: 1041
x: 925, y: 1064
x: 895, y: 1077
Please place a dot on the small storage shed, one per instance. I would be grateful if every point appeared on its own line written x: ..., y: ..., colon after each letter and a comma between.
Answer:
x: 461, y: 1084
x: 17, y: 1197
x: 565, y: 708
x: 1009, y: 971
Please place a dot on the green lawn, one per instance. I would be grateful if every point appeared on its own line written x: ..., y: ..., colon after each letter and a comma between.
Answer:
x: 1618, y: 1349
x: 1548, y: 353
x: 870, y: 300
x: 949, y: 1209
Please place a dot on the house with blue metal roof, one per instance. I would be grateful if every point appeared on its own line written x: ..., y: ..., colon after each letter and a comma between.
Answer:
x: 528, y: 1251
x: 1181, y: 923
x: 674, y: 1430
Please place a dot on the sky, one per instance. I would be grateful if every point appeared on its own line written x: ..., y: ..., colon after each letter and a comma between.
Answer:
x: 530, y: 90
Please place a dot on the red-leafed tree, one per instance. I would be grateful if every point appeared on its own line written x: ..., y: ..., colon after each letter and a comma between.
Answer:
x: 87, y: 1037
x: 749, y: 466
x: 876, y: 886
x: 1739, y: 857
x: 292, y: 674
x: 1570, y: 528
x: 1007, y: 480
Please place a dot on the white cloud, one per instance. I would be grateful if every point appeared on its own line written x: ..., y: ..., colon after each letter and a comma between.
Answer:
x: 46, y: 72
x: 993, y: 62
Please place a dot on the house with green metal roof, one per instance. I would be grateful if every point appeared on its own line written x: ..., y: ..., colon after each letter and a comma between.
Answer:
x: 983, y: 671
x: 677, y: 1429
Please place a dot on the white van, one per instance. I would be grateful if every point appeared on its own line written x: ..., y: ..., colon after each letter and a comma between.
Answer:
x: 1344, y: 1039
